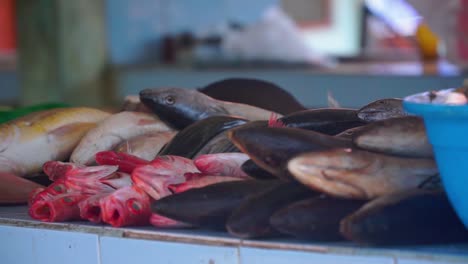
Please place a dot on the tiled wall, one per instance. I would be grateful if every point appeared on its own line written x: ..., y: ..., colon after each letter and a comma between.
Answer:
x: 135, y: 27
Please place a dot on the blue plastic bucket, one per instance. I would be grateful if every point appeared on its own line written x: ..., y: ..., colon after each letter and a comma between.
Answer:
x: 447, y: 131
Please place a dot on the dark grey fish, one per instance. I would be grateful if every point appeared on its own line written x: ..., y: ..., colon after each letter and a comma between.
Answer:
x: 259, y: 93
x: 189, y: 141
x: 218, y: 144
x: 402, y: 136
x: 272, y: 147
x: 182, y: 107
x: 254, y: 171
x: 382, y: 109
x: 317, y: 218
x: 411, y: 217
x: 349, y: 133
x: 209, y: 206
x: 330, y: 121
x: 252, y: 218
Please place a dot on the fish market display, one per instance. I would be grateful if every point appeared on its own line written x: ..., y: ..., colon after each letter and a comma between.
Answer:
x: 182, y: 107
x: 259, y: 93
x: 177, y: 158
x: 358, y: 174
x: 272, y: 147
x: 146, y: 146
x: 382, y: 109
x: 189, y: 141
x: 114, y: 130
x: 251, y: 218
x: 410, y: 217
x: 329, y: 121
x: 316, y: 218
x: 212, y: 205
x: 403, y: 136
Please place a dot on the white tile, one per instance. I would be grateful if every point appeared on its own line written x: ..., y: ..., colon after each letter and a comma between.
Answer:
x: 20, y: 245
x: 124, y: 250
x: 255, y: 255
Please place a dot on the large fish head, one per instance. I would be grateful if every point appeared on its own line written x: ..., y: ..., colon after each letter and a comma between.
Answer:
x: 382, y: 109
x: 332, y: 171
x: 126, y: 206
x: 175, y: 106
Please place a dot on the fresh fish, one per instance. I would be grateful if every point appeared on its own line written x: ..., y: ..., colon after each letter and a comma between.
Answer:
x: 251, y: 219
x: 189, y: 141
x: 156, y: 177
x: 259, y: 93
x: 128, y: 206
x: 349, y: 133
x: 114, y: 130
x: 411, y: 217
x: 125, y: 162
x: 90, y: 209
x: 160, y: 221
x: 352, y: 173
x: 27, y: 143
x: 200, y: 182
x: 59, y: 208
x: 183, y: 107
x: 254, y: 171
x: 402, y: 136
x: 14, y: 189
x: 218, y: 144
x: 57, y: 169
x: 271, y: 147
x: 316, y: 218
x: 146, y: 146
x: 228, y: 164
x: 330, y: 121
x: 451, y: 96
x: 382, y: 109
x: 209, y: 206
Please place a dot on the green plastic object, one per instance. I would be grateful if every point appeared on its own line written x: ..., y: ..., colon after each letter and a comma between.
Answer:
x: 7, y: 115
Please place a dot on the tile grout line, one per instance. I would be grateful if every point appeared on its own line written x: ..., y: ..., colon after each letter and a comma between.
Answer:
x: 99, y: 249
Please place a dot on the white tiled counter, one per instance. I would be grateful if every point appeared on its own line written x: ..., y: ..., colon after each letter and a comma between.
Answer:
x: 23, y: 240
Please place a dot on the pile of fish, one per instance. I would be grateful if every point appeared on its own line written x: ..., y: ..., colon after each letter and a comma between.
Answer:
x: 226, y: 159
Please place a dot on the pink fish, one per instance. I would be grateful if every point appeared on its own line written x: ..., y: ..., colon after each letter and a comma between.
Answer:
x: 90, y: 208
x: 160, y: 221
x: 126, y: 162
x: 57, y: 169
x: 63, y: 207
x: 41, y: 194
x: 274, y: 121
x: 90, y: 180
x: 219, y: 164
x: 128, y: 206
x: 163, y: 171
x: 200, y: 182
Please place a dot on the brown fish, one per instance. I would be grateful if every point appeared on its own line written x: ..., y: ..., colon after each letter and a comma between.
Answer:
x: 411, y: 217
x: 382, y: 109
x: 182, y: 107
x: 402, y: 136
x: 352, y: 173
x: 114, y: 130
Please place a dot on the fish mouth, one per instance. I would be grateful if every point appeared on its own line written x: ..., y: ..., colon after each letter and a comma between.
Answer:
x: 146, y: 94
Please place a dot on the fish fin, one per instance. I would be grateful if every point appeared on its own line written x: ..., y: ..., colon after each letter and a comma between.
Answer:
x: 79, y: 128
x: 332, y: 102
x: 14, y: 189
x: 274, y: 121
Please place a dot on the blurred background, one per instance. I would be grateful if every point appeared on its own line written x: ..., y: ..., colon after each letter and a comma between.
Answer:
x: 95, y: 52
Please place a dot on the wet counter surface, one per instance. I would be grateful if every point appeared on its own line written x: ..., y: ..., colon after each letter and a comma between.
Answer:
x: 24, y: 240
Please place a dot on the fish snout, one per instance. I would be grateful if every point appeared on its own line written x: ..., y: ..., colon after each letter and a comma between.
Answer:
x: 146, y: 93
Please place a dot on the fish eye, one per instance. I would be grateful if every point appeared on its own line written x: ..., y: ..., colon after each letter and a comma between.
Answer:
x: 169, y: 100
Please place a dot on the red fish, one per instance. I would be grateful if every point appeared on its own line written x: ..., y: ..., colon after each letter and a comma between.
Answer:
x: 219, y: 164
x: 90, y: 208
x: 200, y: 182
x: 164, y: 222
x: 63, y: 207
x: 42, y: 194
x: 163, y: 171
x: 90, y: 180
x: 274, y: 121
x: 57, y: 169
x: 128, y: 206
x: 126, y: 162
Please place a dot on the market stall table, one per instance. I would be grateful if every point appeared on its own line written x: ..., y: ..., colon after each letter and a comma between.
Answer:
x: 25, y: 240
